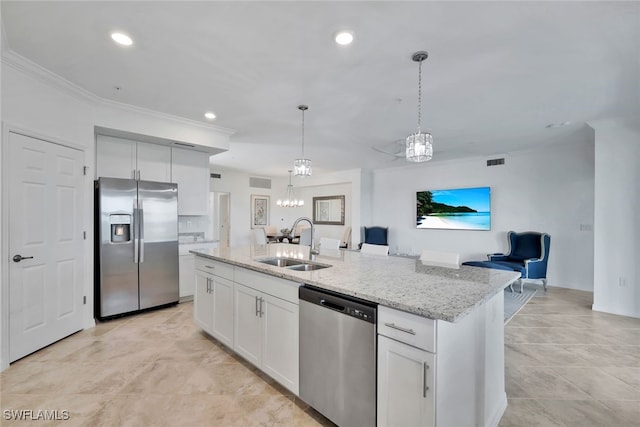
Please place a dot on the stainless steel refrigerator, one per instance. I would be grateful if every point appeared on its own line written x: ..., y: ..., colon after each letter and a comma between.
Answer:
x: 136, y: 240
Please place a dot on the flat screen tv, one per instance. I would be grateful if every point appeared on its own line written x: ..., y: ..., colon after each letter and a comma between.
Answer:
x: 455, y: 209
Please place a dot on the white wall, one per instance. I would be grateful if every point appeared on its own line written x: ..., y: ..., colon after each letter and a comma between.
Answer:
x: 616, y: 227
x: 548, y: 190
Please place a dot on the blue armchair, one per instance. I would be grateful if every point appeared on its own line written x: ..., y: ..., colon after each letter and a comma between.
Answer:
x: 375, y: 235
x: 528, y: 254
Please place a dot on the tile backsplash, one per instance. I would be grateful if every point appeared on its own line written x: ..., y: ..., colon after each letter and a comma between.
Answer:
x: 192, y: 225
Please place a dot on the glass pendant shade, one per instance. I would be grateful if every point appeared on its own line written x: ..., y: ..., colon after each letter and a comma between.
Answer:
x: 420, y: 144
x: 419, y: 147
x: 290, y: 200
x: 302, y: 167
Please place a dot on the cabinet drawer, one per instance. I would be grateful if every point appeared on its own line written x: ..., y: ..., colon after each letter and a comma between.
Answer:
x: 214, y: 267
x: 408, y: 328
x: 280, y: 288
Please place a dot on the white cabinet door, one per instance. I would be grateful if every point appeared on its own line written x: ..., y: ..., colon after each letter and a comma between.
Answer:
x: 406, y: 385
x: 190, y: 170
x: 280, y: 341
x: 115, y: 157
x: 203, y: 301
x: 128, y: 159
x: 153, y: 162
x: 186, y: 266
x: 222, y: 327
x: 248, y: 324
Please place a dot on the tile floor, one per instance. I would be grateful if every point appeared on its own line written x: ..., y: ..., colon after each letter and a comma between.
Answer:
x: 565, y: 366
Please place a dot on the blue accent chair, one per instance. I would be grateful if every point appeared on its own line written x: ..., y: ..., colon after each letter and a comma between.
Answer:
x: 375, y: 235
x: 528, y: 254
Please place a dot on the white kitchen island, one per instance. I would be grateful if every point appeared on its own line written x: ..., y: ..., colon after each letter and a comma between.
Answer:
x: 447, y: 371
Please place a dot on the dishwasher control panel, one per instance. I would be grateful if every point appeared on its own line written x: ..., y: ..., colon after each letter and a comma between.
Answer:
x: 361, y: 314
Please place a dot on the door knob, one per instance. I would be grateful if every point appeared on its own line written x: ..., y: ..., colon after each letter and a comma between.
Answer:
x: 18, y: 258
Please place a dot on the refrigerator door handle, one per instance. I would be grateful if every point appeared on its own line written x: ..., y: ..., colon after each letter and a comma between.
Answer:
x: 141, y: 230
x: 135, y: 233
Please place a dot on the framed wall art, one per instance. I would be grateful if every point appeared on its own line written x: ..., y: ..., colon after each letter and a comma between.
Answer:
x: 259, y: 211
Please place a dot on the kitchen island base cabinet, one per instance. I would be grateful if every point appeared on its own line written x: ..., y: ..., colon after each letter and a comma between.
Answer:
x: 266, y: 334
x: 213, y: 300
x: 442, y: 373
x: 406, y: 385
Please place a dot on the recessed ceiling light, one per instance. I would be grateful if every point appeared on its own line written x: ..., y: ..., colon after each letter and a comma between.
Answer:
x: 122, y: 39
x: 209, y: 115
x: 343, y: 38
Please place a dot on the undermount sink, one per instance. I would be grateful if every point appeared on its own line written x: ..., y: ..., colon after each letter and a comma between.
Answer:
x: 307, y: 266
x: 293, y: 264
x: 281, y: 262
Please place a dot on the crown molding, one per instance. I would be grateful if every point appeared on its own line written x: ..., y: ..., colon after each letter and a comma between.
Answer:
x: 26, y: 66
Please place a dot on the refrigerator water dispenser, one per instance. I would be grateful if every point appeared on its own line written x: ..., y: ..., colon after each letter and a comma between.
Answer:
x: 120, y: 228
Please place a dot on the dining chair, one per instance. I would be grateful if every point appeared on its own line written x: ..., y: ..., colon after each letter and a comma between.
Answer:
x: 345, y: 240
x: 327, y: 243
x: 440, y: 259
x: 368, y: 248
x: 305, y: 237
x: 259, y: 236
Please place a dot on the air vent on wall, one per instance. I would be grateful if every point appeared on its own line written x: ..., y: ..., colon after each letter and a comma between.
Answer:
x: 259, y: 182
x: 215, y: 175
x: 495, y: 162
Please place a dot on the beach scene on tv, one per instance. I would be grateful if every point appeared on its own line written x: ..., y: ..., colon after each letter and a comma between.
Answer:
x: 457, y: 209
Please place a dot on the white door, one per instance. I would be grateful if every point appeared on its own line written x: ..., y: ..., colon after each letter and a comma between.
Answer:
x: 224, y: 219
x: 280, y: 341
x: 248, y: 324
x: 223, y: 310
x: 190, y: 170
x: 203, y: 301
x: 45, y: 223
x: 115, y: 157
x: 406, y: 385
x: 153, y: 162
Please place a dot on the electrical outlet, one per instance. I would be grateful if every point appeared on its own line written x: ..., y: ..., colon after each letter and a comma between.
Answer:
x: 622, y: 282
x: 586, y: 227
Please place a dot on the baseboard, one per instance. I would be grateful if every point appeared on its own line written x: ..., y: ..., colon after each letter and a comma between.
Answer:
x: 494, y: 420
x: 602, y: 309
x: 186, y: 298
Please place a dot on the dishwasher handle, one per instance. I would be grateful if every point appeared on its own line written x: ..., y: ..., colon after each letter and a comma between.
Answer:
x: 331, y: 305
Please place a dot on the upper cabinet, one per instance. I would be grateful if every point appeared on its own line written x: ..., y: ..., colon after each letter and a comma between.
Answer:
x: 124, y: 158
x: 130, y: 159
x: 190, y: 170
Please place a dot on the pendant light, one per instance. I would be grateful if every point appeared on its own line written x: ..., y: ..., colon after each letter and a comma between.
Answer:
x: 302, y: 166
x: 419, y: 144
x: 290, y: 200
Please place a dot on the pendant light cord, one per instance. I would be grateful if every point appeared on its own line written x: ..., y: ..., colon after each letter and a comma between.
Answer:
x: 303, y: 134
x: 419, y: 95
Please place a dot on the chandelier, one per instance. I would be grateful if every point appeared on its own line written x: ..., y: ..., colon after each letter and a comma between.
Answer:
x: 419, y: 144
x: 290, y: 200
x: 302, y: 166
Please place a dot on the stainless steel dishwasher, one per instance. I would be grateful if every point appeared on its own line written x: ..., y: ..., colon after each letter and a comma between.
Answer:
x: 338, y: 356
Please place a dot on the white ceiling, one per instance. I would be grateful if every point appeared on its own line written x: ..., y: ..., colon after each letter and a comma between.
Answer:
x: 498, y: 72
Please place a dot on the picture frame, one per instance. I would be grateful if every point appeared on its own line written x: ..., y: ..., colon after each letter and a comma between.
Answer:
x: 328, y: 210
x: 260, y: 210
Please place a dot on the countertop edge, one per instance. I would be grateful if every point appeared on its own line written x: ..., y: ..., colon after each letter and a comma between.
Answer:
x: 282, y: 273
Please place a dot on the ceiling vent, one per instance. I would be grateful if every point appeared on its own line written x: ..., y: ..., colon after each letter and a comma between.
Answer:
x: 259, y: 182
x: 495, y: 162
x: 215, y: 175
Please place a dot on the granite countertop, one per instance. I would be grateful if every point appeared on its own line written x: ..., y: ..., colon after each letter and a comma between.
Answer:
x: 401, y: 283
